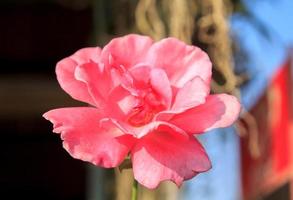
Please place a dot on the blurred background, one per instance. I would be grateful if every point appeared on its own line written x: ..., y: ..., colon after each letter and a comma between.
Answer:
x: 250, y: 44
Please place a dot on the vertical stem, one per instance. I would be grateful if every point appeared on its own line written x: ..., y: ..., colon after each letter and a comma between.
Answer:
x: 134, y: 190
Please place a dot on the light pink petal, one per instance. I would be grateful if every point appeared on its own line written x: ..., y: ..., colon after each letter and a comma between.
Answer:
x: 76, y: 89
x: 120, y: 103
x: 65, y: 74
x: 120, y: 77
x: 160, y: 83
x: 87, y: 54
x: 84, y: 139
x: 166, y: 155
x: 98, y: 82
x: 126, y: 51
x: 218, y: 111
x: 141, y: 75
x: 139, y: 132
x: 128, y: 83
x: 192, y: 94
x: 180, y: 61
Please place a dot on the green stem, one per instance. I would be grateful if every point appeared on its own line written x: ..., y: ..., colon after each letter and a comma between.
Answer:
x: 134, y: 190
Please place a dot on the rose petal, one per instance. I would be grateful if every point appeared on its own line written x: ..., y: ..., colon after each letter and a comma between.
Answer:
x: 126, y: 51
x: 120, y: 103
x: 87, y: 54
x: 84, y: 139
x: 181, y: 62
x: 139, y: 132
x: 218, y: 111
x: 65, y: 74
x: 141, y: 75
x: 160, y: 83
x: 192, y: 94
x: 98, y: 82
x: 166, y: 155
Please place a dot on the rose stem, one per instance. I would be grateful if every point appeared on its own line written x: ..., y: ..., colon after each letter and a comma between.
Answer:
x: 134, y: 190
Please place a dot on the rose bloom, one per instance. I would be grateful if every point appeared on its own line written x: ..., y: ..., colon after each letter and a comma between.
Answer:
x: 148, y: 100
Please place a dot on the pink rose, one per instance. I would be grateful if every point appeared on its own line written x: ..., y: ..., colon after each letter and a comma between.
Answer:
x: 147, y: 100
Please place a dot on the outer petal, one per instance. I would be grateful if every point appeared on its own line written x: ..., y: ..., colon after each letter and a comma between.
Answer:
x: 167, y: 155
x: 218, y: 111
x: 192, y: 94
x: 140, y: 132
x: 87, y: 54
x: 126, y: 51
x: 180, y: 61
x: 84, y: 138
x: 65, y: 73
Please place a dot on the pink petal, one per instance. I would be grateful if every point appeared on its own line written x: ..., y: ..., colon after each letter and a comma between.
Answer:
x: 126, y: 51
x: 120, y: 103
x: 120, y: 76
x: 87, y: 54
x: 218, y: 111
x: 65, y: 74
x: 160, y: 83
x: 98, y: 82
x: 180, y: 61
x: 166, y: 155
x: 192, y: 94
x: 84, y: 139
x: 142, y: 131
x: 141, y: 75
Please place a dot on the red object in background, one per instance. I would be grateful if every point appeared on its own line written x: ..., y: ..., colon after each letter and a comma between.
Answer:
x: 273, y: 113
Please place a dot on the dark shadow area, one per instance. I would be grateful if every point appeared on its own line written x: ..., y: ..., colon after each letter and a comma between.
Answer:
x: 281, y: 194
x: 33, y: 37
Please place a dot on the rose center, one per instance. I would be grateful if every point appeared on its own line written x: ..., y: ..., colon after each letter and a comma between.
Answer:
x: 142, y: 114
